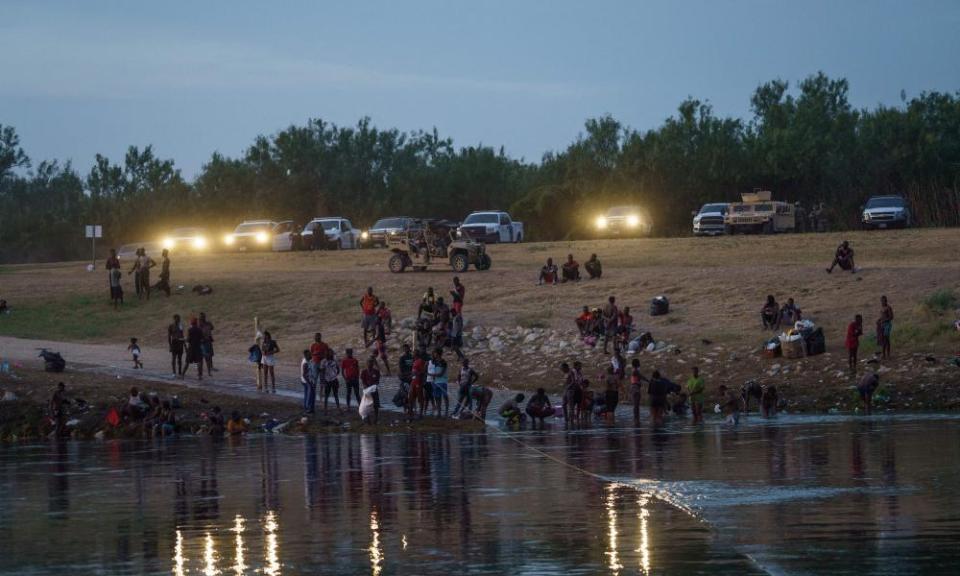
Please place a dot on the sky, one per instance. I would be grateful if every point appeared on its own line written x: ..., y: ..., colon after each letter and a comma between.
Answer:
x: 191, y: 78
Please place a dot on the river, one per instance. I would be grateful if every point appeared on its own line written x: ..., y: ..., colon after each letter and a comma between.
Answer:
x: 796, y: 495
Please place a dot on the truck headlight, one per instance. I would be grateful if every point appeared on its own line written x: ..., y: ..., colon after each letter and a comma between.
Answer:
x: 199, y: 243
x: 601, y: 222
x: 262, y: 237
x: 229, y: 239
x: 168, y: 243
x: 364, y: 235
x: 633, y: 221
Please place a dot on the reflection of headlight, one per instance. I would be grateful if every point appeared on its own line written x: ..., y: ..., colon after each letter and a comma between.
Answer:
x: 601, y: 222
x: 632, y: 221
x: 364, y: 235
x: 199, y: 243
x: 228, y: 239
x: 168, y: 243
x: 262, y: 237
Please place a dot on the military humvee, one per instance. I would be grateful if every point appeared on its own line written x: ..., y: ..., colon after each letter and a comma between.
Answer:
x: 760, y: 215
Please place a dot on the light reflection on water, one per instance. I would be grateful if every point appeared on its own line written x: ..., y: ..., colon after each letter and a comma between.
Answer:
x: 868, y: 496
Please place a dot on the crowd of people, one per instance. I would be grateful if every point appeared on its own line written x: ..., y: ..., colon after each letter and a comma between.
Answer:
x: 424, y: 373
x: 142, y: 265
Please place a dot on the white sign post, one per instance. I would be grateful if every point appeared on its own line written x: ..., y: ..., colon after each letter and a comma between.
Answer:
x: 94, y: 231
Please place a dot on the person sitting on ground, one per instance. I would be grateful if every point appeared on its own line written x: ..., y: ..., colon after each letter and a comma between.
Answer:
x: 215, y: 424
x: 593, y: 267
x: 136, y: 408
x: 571, y: 270
x: 770, y: 314
x: 539, y: 406
x: 236, y: 425
x: 548, y: 274
x: 586, y: 322
x: 510, y: 411
x: 867, y: 386
x: 768, y: 402
x: 843, y: 258
x: 790, y: 314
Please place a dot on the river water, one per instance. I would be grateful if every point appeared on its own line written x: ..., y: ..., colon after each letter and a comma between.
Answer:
x: 798, y: 495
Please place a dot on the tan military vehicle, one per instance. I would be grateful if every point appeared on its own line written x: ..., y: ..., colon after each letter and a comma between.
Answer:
x: 759, y: 214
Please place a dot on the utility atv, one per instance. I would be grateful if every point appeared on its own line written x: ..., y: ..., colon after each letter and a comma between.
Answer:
x: 425, y: 243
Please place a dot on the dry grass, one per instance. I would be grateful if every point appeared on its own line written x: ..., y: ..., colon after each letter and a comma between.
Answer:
x: 716, y: 287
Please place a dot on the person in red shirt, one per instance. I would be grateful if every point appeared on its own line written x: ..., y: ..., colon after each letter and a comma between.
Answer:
x: 416, y: 384
x: 350, y: 368
x: 852, y: 343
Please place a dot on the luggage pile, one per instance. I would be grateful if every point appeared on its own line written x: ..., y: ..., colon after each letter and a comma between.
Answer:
x: 804, y: 339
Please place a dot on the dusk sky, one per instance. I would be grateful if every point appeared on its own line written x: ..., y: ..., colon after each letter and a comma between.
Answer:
x: 192, y: 78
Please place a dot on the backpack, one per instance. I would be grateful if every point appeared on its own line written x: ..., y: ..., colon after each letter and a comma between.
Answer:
x: 816, y: 343
x: 659, y: 306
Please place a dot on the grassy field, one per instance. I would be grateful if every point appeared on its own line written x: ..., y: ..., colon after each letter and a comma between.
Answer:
x: 716, y: 287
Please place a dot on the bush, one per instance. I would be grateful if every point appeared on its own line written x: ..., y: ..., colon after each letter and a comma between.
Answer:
x: 941, y: 301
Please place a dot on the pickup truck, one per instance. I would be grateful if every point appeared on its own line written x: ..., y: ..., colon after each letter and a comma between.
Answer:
x: 491, y: 227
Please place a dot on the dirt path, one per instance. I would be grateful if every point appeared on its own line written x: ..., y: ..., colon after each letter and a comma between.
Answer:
x: 234, y: 374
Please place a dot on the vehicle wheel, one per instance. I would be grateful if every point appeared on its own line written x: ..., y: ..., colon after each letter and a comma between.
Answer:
x: 519, y: 238
x: 484, y: 263
x: 396, y: 264
x: 459, y: 262
x: 767, y: 227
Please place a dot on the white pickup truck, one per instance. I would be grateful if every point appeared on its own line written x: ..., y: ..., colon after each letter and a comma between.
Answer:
x: 491, y: 227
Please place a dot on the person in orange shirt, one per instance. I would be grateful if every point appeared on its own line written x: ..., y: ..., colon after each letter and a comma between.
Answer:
x: 369, y: 304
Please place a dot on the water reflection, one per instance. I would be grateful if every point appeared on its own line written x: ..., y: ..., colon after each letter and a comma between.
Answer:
x: 209, y: 557
x: 376, y: 552
x: 239, y: 567
x: 272, y: 554
x: 644, y: 550
x: 612, y: 555
x: 881, y: 496
x: 179, y: 561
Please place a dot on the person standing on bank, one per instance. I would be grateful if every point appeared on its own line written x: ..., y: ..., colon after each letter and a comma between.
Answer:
x: 206, y: 345
x: 270, y: 351
x: 164, y: 284
x: 175, y: 341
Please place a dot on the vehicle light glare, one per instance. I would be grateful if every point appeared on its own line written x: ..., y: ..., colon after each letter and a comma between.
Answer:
x: 601, y: 222
x: 262, y: 237
x: 199, y: 243
x: 633, y: 221
x: 168, y: 243
x: 228, y: 239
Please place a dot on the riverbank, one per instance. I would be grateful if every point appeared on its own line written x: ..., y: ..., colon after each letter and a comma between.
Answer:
x: 25, y: 394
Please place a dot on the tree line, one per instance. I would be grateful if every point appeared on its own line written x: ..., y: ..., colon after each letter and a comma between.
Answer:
x: 807, y: 145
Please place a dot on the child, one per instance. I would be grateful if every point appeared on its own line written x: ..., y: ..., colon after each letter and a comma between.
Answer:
x: 852, y: 343
x: 867, y: 386
x: 636, y: 388
x: 680, y: 407
x: 511, y: 412
x: 236, y: 426
x: 255, y: 357
x: 768, y: 402
x: 729, y: 405
x: 134, y: 349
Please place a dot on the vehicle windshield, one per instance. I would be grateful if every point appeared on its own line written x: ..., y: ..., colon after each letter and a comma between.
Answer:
x: 251, y: 227
x: 330, y: 224
x: 742, y: 208
x: 885, y: 202
x: 622, y: 211
x: 186, y: 232
x: 388, y: 223
x: 708, y: 208
x: 485, y: 218
x: 764, y: 208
